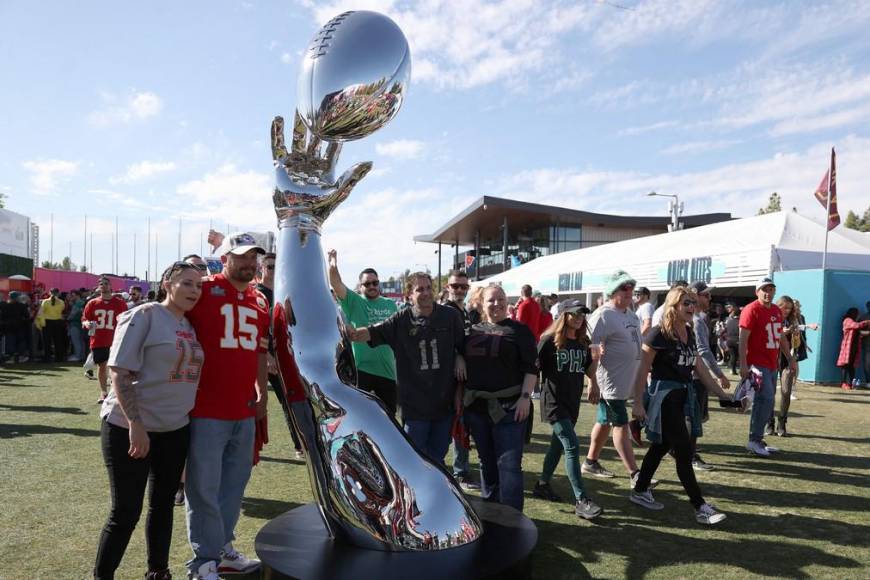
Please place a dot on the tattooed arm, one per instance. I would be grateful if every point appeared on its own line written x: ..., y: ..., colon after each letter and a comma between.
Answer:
x: 122, y: 383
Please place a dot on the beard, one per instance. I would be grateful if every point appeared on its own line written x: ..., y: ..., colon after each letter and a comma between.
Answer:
x: 243, y: 274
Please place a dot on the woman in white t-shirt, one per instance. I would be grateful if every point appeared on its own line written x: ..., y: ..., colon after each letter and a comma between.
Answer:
x: 155, y: 364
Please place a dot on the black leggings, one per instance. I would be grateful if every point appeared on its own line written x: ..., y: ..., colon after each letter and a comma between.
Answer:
x: 127, y: 479
x: 55, y: 339
x: 676, y: 436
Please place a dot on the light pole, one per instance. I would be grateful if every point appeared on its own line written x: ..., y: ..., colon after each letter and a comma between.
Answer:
x: 674, y: 207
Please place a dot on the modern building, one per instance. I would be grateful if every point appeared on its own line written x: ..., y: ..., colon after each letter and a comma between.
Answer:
x: 505, y: 233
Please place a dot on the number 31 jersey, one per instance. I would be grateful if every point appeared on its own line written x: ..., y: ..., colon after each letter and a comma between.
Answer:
x: 232, y: 327
x: 105, y: 314
x: 765, y: 328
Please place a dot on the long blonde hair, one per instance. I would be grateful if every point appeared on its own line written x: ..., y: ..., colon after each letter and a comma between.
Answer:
x: 475, y: 298
x: 671, y: 318
x: 793, y: 315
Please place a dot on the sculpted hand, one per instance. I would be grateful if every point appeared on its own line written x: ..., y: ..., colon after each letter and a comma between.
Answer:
x: 306, y: 175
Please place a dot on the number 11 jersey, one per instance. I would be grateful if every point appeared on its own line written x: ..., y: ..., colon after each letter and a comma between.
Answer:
x: 232, y: 327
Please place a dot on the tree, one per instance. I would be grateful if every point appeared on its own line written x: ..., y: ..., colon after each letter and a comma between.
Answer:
x: 2, y: 197
x: 50, y: 265
x: 861, y: 224
x: 66, y: 264
x: 774, y: 204
x: 83, y: 268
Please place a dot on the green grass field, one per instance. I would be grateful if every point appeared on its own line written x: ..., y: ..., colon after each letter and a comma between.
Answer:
x: 804, y: 513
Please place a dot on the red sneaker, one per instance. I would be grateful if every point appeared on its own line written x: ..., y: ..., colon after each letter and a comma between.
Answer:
x: 846, y: 387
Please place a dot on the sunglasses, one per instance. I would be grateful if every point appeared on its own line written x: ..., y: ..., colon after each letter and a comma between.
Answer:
x: 687, y: 303
x: 201, y: 267
x: 272, y: 267
x: 459, y: 286
x: 371, y: 284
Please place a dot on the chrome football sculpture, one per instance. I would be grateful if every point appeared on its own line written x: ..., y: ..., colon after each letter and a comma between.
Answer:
x: 372, y: 486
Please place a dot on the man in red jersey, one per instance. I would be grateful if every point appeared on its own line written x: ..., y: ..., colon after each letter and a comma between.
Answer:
x: 99, y: 318
x: 760, y: 342
x: 231, y: 321
x: 528, y: 311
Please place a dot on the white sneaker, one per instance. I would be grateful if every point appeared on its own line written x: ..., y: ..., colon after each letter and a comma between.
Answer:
x: 72, y: 358
x: 793, y: 397
x: 207, y: 571
x: 708, y: 515
x: 758, y: 449
x: 770, y: 448
x: 234, y: 562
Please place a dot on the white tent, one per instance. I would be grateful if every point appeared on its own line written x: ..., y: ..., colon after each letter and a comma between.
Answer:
x: 731, y: 254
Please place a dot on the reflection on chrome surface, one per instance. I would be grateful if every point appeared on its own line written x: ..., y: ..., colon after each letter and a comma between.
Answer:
x: 354, y: 76
x: 371, y: 484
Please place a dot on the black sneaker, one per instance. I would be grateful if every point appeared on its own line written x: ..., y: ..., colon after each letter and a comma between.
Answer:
x: 467, y: 483
x: 544, y: 491
x: 587, y: 509
x: 596, y: 470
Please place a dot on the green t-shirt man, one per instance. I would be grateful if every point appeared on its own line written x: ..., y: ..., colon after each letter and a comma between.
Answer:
x: 362, y: 312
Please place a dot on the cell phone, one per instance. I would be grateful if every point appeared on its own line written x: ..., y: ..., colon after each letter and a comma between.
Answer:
x: 725, y: 403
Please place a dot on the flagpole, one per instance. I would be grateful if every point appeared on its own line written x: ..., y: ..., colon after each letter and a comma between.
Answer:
x: 828, y: 215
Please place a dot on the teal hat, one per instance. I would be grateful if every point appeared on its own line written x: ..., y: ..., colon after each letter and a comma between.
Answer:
x: 615, y: 280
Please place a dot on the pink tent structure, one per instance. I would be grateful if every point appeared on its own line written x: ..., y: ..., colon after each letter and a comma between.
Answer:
x: 66, y: 280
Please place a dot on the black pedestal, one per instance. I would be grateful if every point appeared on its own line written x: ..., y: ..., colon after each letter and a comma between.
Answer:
x: 295, y: 545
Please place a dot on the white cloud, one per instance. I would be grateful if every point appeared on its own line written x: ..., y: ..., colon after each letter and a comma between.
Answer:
x: 287, y: 58
x: 243, y: 198
x: 699, y: 146
x: 48, y: 174
x: 143, y: 170
x: 471, y: 43
x: 401, y: 149
x: 134, y: 107
x: 740, y: 188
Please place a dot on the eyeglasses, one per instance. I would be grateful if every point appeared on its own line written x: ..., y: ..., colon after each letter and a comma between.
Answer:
x: 371, y: 284
x: 458, y: 286
x: 688, y: 303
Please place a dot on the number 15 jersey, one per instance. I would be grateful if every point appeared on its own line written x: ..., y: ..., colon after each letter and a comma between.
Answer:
x: 765, y: 327
x: 232, y: 327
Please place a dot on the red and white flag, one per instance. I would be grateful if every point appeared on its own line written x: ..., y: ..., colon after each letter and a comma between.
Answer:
x: 828, y: 187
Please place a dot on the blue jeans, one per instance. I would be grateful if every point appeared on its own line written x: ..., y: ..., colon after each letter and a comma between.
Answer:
x: 500, y: 447
x: 75, y: 336
x: 218, y: 467
x: 564, y: 440
x: 762, y: 404
x: 431, y: 437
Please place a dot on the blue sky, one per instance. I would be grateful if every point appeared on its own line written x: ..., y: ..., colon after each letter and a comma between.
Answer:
x: 162, y: 109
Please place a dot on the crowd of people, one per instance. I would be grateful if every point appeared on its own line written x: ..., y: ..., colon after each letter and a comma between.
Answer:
x: 184, y: 375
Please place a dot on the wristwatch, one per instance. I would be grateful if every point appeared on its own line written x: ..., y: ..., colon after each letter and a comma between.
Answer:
x: 525, y: 395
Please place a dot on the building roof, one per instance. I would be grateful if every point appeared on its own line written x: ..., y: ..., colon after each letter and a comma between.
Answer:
x: 487, y: 215
x: 726, y: 255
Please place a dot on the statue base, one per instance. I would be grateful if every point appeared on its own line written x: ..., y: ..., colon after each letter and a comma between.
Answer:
x: 296, y: 545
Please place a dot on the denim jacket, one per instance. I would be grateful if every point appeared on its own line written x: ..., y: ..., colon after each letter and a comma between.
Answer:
x: 655, y: 394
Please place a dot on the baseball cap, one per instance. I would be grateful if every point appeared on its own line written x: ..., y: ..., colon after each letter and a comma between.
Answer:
x: 573, y: 306
x: 766, y: 281
x: 699, y: 287
x: 238, y: 244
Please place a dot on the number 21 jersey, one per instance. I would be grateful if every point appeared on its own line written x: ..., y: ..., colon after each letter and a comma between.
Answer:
x: 232, y: 327
x: 765, y: 327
